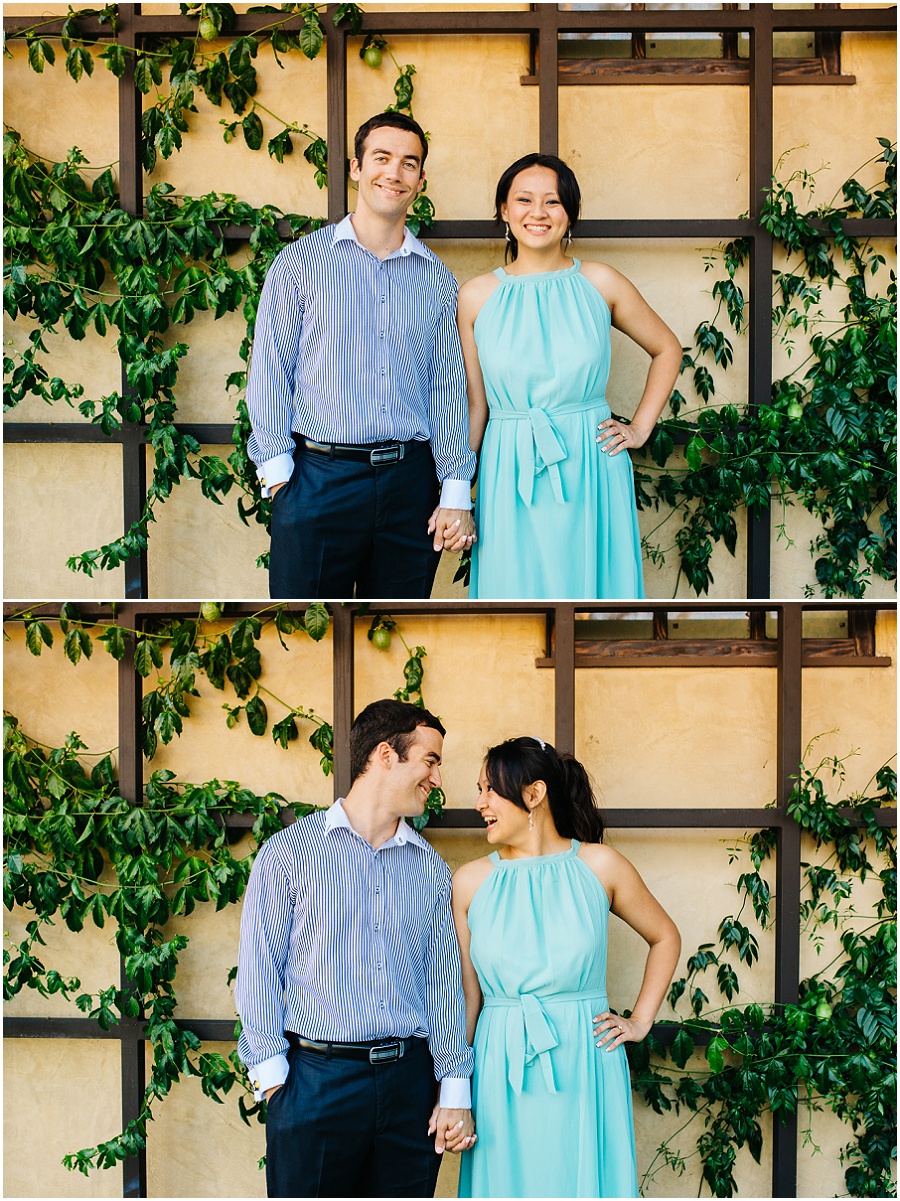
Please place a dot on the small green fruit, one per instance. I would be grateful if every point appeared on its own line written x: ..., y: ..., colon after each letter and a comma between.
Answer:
x: 795, y: 410
x: 372, y: 57
x: 381, y: 638
x: 210, y: 610
x: 823, y: 1011
x: 208, y: 30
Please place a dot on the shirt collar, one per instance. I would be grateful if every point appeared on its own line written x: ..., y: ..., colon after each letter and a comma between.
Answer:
x: 344, y: 232
x: 336, y: 818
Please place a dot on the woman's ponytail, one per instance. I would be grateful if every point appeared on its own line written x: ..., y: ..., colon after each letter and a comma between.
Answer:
x: 576, y: 815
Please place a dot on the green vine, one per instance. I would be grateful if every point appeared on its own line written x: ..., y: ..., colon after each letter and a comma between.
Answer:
x: 78, y: 261
x: 828, y: 438
x: 836, y: 1048
x: 77, y: 851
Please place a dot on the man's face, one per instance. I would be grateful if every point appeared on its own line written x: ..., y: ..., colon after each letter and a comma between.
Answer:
x: 414, y: 777
x: 390, y: 173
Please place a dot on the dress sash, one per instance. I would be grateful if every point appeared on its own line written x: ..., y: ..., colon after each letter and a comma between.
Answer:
x: 533, y: 1036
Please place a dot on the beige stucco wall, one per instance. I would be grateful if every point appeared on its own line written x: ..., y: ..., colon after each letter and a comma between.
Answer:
x: 639, y: 151
x: 665, y: 737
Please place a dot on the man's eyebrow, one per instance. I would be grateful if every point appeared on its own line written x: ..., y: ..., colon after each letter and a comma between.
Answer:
x: 415, y: 157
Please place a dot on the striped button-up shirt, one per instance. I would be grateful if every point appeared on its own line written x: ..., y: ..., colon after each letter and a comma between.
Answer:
x: 346, y: 943
x: 351, y: 348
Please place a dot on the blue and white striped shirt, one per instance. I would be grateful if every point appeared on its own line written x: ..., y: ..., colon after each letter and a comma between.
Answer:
x: 343, y: 942
x: 350, y: 348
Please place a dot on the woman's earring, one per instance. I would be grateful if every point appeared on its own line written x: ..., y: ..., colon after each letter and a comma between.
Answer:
x: 568, y: 238
x: 508, y: 238
x: 530, y: 819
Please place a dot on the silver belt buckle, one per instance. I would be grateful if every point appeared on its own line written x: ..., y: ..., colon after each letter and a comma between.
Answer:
x: 386, y: 1053
x: 386, y: 454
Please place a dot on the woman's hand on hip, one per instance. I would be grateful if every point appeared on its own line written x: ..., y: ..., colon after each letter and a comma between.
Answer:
x: 615, y: 436
x: 611, y: 1030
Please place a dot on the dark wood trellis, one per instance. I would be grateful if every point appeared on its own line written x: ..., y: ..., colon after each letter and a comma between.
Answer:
x: 544, y: 24
x: 790, y: 660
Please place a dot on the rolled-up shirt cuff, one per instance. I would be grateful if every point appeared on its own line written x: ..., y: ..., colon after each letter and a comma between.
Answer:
x: 456, y: 494
x: 268, y: 1074
x: 275, y: 471
x: 456, y: 1091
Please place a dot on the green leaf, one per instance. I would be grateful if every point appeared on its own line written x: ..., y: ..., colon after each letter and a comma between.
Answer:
x: 682, y: 1048
x: 37, y: 634
x: 693, y: 453
x: 253, y: 130
x: 312, y: 36
x: 257, y: 716
x: 316, y: 620
x: 714, y: 1056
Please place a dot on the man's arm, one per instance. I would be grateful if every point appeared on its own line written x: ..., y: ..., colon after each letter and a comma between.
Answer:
x: 259, y: 991
x: 271, y: 381
x: 449, y: 421
x: 446, y: 1015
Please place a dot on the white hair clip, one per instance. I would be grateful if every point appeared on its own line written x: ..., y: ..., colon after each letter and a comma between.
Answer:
x: 541, y: 741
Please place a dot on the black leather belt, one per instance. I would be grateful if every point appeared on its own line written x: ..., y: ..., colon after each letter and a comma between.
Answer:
x: 378, y: 1052
x: 377, y: 456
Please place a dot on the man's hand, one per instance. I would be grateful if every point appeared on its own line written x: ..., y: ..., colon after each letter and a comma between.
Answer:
x: 453, y: 529
x: 273, y: 488
x: 270, y: 1092
x: 454, y: 1129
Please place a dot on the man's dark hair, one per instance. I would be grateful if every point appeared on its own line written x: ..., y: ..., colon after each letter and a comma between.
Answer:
x: 394, y: 121
x: 393, y: 722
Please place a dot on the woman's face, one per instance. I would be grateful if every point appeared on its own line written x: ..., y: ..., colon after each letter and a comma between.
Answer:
x: 533, y: 209
x: 504, y: 820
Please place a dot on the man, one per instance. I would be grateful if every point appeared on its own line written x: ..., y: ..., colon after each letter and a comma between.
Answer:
x: 349, y: 984
x: 357, y: 393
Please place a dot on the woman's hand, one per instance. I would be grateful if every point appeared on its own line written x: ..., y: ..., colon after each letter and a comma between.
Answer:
x: 454, y: 1129
x: 615, y: 436
x: 612, y: 1031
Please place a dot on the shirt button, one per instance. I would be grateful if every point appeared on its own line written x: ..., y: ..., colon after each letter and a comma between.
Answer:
x: 378, y: 888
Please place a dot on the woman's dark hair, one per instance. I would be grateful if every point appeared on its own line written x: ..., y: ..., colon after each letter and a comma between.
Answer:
x: 393, y: 722
x: 569, y: 191
x: 513, y: 765
x: 394, y: 121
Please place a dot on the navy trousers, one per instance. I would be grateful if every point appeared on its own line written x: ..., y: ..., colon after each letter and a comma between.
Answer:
x: 347, y: 1128
x: 342, y: 528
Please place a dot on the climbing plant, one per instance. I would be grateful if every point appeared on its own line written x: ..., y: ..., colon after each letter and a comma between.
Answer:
x: 836, y: 1048
x: 78, y: 852
x: 77, y: 261
x: 828, y: 439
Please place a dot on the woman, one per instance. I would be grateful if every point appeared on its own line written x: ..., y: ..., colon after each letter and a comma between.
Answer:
x: 555, y: 511
x: 552, y: 1097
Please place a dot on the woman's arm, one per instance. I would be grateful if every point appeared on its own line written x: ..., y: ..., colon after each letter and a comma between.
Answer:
x: 466, y: 880
x: 472, y: 296
x: 631, y: 900
x: 633, y: 317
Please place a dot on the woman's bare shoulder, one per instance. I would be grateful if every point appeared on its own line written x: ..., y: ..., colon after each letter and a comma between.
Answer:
x: 475, y: 291
x: 603, y: 860
x: 607, y: 280
x: 469, y: 877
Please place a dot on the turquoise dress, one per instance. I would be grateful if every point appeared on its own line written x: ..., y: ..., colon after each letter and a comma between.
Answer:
x: 552, y: 1111
x: 556, y: 516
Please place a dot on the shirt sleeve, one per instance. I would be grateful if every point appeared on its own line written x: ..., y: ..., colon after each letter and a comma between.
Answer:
x: 271, y: 381
x: 445, y: 1006
x: 448, y: 404
x: 259, y: 991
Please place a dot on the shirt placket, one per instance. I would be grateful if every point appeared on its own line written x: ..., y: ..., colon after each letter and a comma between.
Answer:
x: 383, y: 316
x: 378, y: 903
